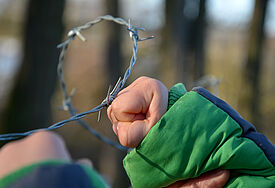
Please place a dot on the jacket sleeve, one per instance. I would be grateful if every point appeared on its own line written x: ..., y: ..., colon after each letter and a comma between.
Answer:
x: 199, y: 133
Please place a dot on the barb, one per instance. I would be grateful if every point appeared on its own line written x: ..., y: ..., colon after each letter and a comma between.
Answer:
x: 67, y: 105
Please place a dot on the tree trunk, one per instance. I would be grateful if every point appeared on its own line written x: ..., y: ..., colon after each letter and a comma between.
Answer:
x: 29, y: 103
x: 113, y: 40
x: 250, y: 96
x: 114, y: 67
x: 183, y: 37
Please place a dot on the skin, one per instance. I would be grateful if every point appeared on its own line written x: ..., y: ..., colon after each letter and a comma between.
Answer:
x: 37, y: 147
x: 135, y: 111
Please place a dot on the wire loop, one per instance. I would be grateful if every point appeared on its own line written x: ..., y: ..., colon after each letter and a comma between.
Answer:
x: 111, y: 95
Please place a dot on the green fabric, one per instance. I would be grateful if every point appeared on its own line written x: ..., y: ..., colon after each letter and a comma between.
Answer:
x: 96, y: 180
x: 175, y: 93
x: 195, y: 136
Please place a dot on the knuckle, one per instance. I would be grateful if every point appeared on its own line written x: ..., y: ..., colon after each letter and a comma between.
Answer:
x: 115, y: 106
x: 45, y: 137
x: 6, y: 148
x: 146, y: 79
x: 155, y: 84
x: 142, y: 78
x: 43, y: 134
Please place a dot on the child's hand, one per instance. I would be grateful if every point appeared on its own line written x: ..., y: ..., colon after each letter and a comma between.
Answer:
x: 136, y: 109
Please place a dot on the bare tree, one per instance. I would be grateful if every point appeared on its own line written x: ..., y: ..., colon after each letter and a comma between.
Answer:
x: 29, y: 102
x: 184, y: 35
x: 250, y: 95
x: 114, y: 70
x: 113, y: 43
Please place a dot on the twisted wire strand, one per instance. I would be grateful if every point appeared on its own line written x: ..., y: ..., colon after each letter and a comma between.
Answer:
x: 67, y: 105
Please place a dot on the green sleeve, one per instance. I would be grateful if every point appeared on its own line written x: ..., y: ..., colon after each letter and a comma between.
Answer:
x: 195, y: 136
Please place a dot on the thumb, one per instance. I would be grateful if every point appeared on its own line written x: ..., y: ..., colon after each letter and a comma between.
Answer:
x: 215, y: 179
x: 130, y: 134
x: 212, y: 179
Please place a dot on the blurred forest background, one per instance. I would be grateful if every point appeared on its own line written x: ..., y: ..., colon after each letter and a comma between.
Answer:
x: 226, y: 46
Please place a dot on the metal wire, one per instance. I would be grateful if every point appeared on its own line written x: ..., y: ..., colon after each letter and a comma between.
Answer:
x: 67, y: 105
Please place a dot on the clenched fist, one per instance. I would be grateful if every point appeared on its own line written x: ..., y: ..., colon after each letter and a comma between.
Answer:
x: 136, y: 109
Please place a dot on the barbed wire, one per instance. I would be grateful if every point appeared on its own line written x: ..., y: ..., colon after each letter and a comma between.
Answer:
x: 67, y: 104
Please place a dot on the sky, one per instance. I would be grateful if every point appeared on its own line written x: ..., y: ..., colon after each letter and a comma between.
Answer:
x: 230, y: 11
x: 223, y: 12
x: 234, y: 12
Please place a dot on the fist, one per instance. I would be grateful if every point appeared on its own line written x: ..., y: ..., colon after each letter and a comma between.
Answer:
x: 136, y: 109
